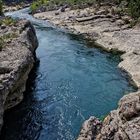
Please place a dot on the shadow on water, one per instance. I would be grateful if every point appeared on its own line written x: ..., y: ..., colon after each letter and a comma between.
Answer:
x: 21, y: 110
x: 72, y: 81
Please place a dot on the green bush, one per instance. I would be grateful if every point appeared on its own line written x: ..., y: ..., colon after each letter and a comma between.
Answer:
x: 133, y: 7
x: 8, y: 21
x: 1, y: 43
x: 1, y: 8
x: 36, y: 4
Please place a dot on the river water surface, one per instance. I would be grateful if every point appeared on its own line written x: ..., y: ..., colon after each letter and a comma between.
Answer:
x: 72, y: 81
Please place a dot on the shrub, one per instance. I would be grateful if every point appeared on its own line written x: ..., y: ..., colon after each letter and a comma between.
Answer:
x: 5, y: 37
x: 36, y: 4
x: 1, y: 43
x: 8, y: 21
x: 1, y: 8
x: 133, y: 7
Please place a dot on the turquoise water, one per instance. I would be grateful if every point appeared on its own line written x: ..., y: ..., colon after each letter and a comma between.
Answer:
x: 71, y: 81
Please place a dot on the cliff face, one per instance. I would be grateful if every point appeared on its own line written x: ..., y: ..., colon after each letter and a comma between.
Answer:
x: 17, y: 58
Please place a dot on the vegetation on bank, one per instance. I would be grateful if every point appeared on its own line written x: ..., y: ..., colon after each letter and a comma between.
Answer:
x: 131, y: 7
x: 1, y: 7
x: 7, y: 21
x: 36, y: 4
x: 56, y: 3
x: 1, y: 43
x: 4, y: 38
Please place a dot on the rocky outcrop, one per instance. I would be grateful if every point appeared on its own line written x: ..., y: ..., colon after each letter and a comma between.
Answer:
x: 113, y: 33
x: 17, y: 58
x: 120, y: 124
x: 90, y: 129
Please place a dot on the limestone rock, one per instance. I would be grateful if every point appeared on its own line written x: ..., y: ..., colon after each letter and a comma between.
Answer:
x: 17, y: 58
x: 120, y: 124
x: 89, y: 129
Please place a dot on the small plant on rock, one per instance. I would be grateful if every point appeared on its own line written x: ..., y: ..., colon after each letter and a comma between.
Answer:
x: 1, y: 43
x: 8, y: 21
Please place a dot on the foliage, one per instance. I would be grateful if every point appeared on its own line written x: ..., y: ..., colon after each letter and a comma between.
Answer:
x: 1, y: 43
x: 134, y: 8
x: 36, y: 4
x: 6, y: 37
x: 1, y: 7
x: 8, y: 21
x: 131, y: 6
x: 9, y: 36
x: 71, y: 2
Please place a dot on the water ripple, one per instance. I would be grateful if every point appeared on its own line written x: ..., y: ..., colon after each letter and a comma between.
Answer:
x: 73, y: 81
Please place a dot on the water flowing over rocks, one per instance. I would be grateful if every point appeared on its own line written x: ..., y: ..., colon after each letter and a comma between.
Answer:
x: 113, y: 33
x: 17, y: 58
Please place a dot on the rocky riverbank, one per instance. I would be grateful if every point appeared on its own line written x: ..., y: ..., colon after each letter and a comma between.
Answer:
x: 113, y: 33
x: 18, y: 43
x: 14, y: 6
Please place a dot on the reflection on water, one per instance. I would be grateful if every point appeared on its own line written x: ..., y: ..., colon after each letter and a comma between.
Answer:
x: 72, y: 82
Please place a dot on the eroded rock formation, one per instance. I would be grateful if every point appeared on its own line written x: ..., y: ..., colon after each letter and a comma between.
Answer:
x: 17, y: 58
x: 120, y: 124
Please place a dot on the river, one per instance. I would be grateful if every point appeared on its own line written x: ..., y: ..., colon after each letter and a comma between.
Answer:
x: 72, y: 81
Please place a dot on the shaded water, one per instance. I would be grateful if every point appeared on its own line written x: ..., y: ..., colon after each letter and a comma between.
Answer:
x: 72, y: 81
